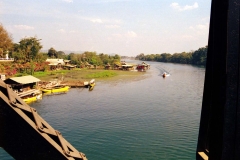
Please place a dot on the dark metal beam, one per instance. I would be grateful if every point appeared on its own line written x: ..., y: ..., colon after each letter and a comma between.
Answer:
x: 219, y: 130
x: 26, y: 135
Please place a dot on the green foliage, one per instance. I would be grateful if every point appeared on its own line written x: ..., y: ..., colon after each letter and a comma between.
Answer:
x: 41, y: 57
x: 5, y: 41
x: 61, y: 54
x: 40, y: 74
x: 140, y: 56
x: 103, y: 74
x: 197, y: 57
x: 27, y: 49
x: 92, y: 58
x: 32, y: 64
x: 52, y: 53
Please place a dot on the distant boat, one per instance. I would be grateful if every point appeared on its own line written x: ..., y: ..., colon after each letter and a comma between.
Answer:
x: 91, y: 84
x: 165, y: 74
x: 56, y: 89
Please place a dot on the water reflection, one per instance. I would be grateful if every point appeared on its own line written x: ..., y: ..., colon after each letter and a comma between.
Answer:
x: 142, y: 117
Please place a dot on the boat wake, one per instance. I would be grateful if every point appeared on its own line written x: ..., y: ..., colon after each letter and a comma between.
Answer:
x: 163, y: 72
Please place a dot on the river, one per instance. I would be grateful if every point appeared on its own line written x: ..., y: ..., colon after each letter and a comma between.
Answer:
x: 145, y: 118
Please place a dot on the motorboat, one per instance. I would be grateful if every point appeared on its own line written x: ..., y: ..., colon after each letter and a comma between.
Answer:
x: 165, y: 74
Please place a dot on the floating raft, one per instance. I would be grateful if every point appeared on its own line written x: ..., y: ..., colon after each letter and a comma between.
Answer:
x: 72, y: 84
x: 75, y: 84
x: 29, y: 92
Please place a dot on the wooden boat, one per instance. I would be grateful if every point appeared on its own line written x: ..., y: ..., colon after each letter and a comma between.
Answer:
x: 32, y: 98
x: 56, y: 89
x: 31, y: 95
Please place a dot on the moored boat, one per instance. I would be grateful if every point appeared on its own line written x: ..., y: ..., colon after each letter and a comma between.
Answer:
x: 30, y: 95
x: 91, y: 84
x: 56, y: 89
x: 32, y: 98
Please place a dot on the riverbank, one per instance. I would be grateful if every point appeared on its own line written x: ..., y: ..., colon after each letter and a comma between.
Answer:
x: 79, y: 76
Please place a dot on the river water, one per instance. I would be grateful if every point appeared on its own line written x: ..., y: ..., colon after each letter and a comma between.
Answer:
x: 145, y: 118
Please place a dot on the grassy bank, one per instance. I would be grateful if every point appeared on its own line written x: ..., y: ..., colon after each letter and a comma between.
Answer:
x: 86, y: 75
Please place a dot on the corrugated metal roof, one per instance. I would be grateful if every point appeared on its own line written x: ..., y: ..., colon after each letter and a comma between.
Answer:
x: 55, y: 61
x: 25, y: 79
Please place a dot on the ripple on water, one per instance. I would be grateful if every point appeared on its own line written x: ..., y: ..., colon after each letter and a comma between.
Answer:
x: 151, y: 118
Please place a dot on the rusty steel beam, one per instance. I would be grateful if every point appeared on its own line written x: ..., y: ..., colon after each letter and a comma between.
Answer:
x: 219, y: 131
x: 26, y: 135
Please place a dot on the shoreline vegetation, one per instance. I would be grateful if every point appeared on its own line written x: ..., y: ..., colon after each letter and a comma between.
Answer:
x: 27, y: 59
x: 197, y: 57
x: 78, y: 76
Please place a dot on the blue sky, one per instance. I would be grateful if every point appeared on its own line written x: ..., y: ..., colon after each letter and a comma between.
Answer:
x: 124, y: 27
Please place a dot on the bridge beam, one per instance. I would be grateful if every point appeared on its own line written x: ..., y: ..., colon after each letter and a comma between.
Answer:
x: 26, y: 135
x: 219, y: 131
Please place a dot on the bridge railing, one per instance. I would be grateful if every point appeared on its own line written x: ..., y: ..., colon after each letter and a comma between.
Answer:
x: 26, y: 135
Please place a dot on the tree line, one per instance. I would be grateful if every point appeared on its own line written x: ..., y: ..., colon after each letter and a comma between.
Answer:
x: 27, y: 54
x: 28, y: 50
x: 197, y: 57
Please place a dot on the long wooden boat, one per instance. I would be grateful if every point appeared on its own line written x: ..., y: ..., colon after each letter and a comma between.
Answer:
x: 31, y: 95
x: 56, y: 89
x: 32, y: 98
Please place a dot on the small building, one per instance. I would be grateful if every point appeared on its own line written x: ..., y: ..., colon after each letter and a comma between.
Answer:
x: 143, y: 66
x: 107, y: 66
x: 127, y: 67
x: 67, y: 65
x: 66, y: 62
x: 55, y: 63
x: 87, y: 65
x: 147, y: 66
x: 117, y: 65
x: 24, y: 83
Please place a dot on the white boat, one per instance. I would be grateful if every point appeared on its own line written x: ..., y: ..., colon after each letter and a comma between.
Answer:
x: 165, y: 74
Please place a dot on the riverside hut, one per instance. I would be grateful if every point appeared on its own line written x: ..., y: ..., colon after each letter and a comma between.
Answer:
x: 117, y: 65
x: 127, y: 67
x: 24, y: 83
x: 107, y: 66
x: 26, y: 87
x: 143, y: 66
x: 55, y: 63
